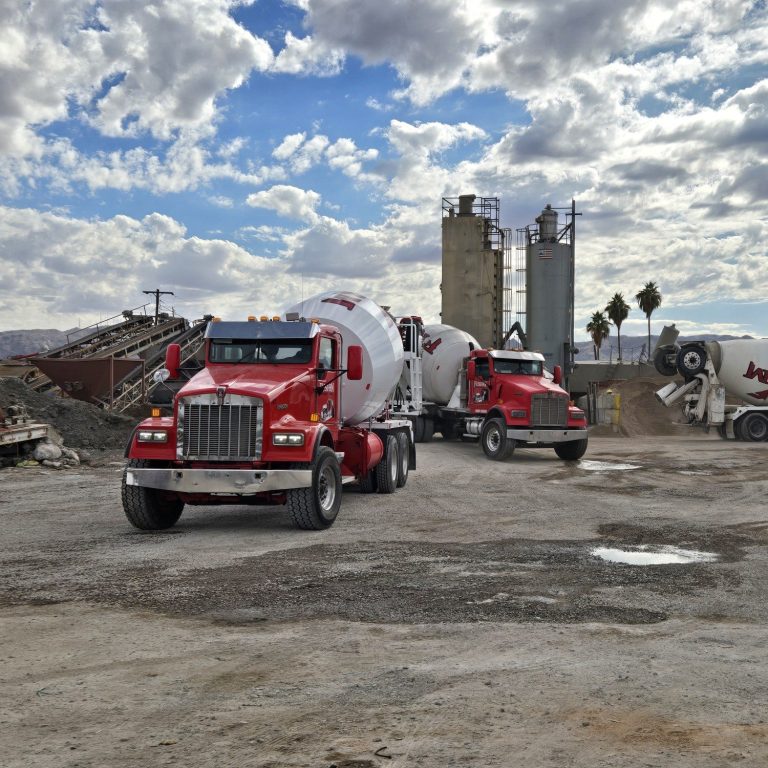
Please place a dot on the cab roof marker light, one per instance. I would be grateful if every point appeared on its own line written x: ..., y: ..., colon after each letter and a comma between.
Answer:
x: 251, y: 318
x: 263, y: 318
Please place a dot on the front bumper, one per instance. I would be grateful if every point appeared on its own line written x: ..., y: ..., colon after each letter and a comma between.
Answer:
x: 546, y: 436
x: 241, y: 482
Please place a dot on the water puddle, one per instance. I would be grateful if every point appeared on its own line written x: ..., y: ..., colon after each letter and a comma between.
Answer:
x: 661, y: 555
x: 605, y: 466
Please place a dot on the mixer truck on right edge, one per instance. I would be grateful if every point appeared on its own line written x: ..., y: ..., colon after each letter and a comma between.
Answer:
x: 714, y: 371
x: 506, y: 398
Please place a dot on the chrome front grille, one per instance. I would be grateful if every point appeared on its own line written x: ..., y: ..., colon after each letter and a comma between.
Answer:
x: 227, y: 430
x: 549, y: 410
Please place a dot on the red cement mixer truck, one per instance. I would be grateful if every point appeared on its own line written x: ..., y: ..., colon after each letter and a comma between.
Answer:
x: 713, y: 372
x: 285, y: 411
x: 505, y: 398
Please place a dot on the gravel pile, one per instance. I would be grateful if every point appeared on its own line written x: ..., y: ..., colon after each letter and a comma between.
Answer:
x: 81, y: 425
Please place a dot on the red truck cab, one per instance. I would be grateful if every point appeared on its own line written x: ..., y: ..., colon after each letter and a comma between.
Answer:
x: 521, y: 403
x: 260, y: 424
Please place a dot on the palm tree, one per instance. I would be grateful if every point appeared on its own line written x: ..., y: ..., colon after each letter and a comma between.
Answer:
x: 648, y: 299
x: 598, y: 328
x: 617, y: 311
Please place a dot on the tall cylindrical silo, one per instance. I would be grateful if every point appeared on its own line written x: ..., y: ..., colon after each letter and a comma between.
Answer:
x: 549, y: 273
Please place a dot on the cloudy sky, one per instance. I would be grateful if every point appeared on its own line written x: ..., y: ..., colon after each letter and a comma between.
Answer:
x: 241, y: 153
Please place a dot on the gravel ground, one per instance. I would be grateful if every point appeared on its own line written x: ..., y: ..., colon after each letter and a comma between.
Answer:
x: 466, y: 620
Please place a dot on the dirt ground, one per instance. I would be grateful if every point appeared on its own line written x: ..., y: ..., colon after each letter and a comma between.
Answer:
x: 464, y: 621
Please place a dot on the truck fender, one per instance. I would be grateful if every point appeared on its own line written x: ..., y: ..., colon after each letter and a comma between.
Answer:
x: 319, y: 435
x: 495, y: 413
x: 129, y: 444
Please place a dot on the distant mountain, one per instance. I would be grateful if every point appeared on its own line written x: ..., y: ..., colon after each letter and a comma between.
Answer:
x: 633, y: 346
x: 32, y: 341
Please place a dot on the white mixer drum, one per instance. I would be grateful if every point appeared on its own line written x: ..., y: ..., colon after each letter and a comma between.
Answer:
x: 444, y: 350
x: 360, y: 321
x: 743, y: 368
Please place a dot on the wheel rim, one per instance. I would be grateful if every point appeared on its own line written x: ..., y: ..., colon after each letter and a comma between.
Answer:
x: 493, y: 439
x: 326, y: 489
x: 691, y: 360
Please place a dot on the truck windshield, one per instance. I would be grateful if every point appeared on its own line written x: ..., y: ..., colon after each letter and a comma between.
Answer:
x: 283, y: 352
x: 526, y: 367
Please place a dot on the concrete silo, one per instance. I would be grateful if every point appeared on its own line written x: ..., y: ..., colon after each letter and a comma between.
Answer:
x: 545, y: 274
x: 477, y: 254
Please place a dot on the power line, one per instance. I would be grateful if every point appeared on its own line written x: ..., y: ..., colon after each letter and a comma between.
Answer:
x: 157, y: 293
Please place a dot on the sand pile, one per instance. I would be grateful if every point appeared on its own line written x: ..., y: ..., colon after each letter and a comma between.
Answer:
x: 82, y: 425
x: 642, y: 414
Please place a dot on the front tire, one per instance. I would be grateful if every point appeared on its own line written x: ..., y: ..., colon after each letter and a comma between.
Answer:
x: 148, y: 509
x: 752, y: 428
x: 496, y: 445
x: 573, y: 450
x: 316, y: 508
x: 387, y: 469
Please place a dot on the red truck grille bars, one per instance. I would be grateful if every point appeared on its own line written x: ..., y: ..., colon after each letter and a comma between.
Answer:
x: 230, y: 431
x: 549, y: 410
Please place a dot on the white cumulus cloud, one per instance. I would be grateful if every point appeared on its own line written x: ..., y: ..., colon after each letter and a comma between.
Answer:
x: 287, y: 201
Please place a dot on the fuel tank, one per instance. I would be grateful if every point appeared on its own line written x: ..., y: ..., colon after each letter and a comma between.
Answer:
x: 361, y: 321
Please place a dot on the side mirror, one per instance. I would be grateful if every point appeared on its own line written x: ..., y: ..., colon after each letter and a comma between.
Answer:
x: 173, y: 360
x: 161, y: 375
x: 557, y: 375
x: 355, y: 363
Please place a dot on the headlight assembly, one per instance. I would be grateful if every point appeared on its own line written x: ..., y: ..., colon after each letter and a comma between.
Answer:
x: 288, y: 438
x: 153, y: 436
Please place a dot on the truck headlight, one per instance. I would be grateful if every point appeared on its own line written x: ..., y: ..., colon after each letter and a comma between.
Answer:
x: 578, y: 415
x: 288, y: 438
x: 153, y: 436
x: 518, y: 414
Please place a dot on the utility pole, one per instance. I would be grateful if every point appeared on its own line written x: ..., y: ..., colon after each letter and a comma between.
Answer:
x: 157, y: 293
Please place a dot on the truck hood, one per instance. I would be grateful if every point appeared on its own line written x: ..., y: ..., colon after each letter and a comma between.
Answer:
x: 264, y: 381
x: 530, y: 385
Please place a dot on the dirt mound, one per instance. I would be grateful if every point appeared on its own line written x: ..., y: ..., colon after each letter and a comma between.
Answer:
x: 642, y: 414
x: 82, y: 425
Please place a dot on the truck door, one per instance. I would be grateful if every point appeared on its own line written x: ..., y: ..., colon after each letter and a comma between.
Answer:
x: 479, y: 385
x: 328, y: 384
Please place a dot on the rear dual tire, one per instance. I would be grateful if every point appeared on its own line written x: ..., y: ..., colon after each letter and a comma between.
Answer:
x: 423, y: 429
x: 387, y: 470
x: 752, y: 428
x: 403, y: 457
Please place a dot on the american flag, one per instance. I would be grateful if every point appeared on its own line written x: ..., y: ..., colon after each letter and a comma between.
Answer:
x: 545, y: 253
